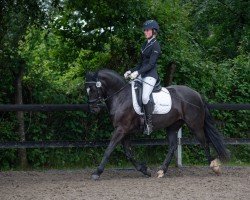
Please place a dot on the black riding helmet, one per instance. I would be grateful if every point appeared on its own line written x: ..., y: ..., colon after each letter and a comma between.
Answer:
x: 151, y: 24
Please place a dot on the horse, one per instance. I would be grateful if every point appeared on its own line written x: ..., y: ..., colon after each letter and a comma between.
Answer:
x: 107, y: 87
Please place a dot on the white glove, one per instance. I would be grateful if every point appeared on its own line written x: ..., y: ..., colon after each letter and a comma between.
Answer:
x: 127, y: 73
x: 134, y: 75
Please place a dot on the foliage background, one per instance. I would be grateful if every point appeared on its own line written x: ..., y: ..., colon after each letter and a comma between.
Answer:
x: 60, y: 40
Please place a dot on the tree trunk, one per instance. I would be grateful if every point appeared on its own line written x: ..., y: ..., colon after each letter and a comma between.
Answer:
x: 170, y: 74
x: 22, y: 156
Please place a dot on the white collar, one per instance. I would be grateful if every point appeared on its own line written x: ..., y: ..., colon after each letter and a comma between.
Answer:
x: 151, y: 39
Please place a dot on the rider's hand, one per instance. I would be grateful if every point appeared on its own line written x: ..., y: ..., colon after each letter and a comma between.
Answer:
x: 127, y: 73
x: 134, y: 75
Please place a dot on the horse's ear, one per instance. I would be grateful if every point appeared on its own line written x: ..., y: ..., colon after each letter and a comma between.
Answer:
x: 89, y: 75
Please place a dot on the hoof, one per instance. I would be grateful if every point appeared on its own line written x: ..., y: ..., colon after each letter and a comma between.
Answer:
x: 95, y: 177
x: 145, y: 170
x: 215, y: 166
x: 160, y: 174
x: 148, y: 172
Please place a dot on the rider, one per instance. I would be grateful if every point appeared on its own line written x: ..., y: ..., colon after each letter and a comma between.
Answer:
x: 146, y: 69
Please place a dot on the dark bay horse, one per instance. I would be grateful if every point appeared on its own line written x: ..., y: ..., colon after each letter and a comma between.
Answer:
x: 187, y: 107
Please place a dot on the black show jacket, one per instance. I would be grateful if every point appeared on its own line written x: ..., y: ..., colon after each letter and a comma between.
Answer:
x: 150, y: 52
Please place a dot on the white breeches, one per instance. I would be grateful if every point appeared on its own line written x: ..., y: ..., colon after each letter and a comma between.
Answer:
x: 147, y: 87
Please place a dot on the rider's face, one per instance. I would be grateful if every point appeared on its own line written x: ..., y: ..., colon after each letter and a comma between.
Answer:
x: 148, y: 33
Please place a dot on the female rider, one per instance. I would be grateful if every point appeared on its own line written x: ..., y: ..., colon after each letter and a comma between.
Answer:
x: 146, y: 69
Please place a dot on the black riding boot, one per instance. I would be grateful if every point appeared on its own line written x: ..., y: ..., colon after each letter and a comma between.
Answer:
x: 148, y: 109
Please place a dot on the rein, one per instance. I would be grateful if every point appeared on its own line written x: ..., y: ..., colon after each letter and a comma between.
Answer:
x: 116, y: 92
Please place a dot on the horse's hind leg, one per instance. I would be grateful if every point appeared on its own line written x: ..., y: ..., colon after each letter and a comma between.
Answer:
x: 172, y: 139
x: 200, y: 135
x: 129, y: 154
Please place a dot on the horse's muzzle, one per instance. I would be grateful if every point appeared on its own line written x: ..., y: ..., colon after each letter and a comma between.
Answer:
x: 94, y: 108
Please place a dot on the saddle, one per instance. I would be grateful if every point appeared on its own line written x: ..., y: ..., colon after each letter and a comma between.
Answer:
x: 138, y: 91
x: 160, y: 98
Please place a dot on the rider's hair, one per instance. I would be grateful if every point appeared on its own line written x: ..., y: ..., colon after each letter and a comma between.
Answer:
x: 154, y: 32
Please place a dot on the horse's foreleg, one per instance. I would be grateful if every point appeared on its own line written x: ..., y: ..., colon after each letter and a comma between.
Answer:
x: 116, y: 138
x: 129, y: 154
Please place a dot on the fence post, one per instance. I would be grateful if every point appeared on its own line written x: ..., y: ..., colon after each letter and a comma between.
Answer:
x: 179, y: 148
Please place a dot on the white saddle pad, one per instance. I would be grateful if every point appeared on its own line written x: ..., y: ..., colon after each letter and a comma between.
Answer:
x: 162, y: 99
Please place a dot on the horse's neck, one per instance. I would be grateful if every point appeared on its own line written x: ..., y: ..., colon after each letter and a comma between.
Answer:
x: 113, y: 86
x: 117, y: 95
x: 112, y: 81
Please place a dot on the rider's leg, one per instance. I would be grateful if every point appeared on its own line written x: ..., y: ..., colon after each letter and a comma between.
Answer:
x: 148, y: 86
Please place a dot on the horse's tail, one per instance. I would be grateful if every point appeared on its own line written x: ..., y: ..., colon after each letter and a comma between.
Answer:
x: 214, y: 136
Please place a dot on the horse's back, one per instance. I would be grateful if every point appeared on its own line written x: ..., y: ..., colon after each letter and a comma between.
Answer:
x: 184, y: 90
x: 186, y: 93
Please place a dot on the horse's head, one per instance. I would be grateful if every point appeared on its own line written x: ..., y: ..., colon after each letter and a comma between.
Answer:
x: 94, y: 91
x: 102, y: 85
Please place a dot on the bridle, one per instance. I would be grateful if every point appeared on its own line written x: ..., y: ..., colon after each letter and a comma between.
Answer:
x: 100, y: 98
x: 98, y: 86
